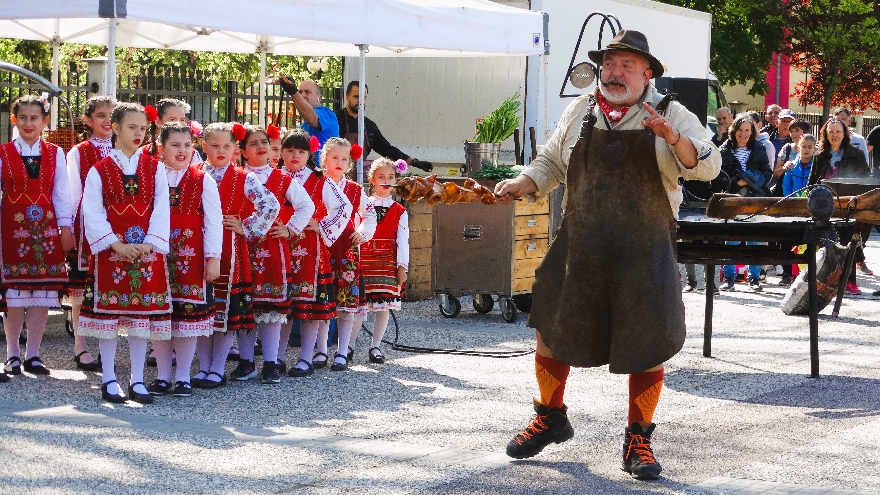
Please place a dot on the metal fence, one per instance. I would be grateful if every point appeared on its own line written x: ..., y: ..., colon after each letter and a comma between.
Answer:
x: 213, y: 97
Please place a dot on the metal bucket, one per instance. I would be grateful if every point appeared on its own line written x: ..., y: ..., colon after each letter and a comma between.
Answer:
x: 477, y: 153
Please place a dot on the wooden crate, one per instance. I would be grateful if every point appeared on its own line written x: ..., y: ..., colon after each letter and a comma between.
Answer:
x: 531, y: 234
x: 418, y: 285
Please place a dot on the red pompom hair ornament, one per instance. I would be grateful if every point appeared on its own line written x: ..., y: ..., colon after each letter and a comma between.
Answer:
x: 356, y: 152
x: 273, y: 132
x: 238, y: 132
x: 152, y: 113
x: 314, y: 144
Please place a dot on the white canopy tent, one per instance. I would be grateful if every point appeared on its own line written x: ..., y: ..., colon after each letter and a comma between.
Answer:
x: 376, y: 28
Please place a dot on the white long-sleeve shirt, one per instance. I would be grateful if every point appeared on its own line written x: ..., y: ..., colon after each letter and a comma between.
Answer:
x: 303, y: 206
x: 337, y: 204
x: 61, y: 201
x: 74, y: 167
x: 266, y: 206
x: 402, y: 229
x: 99, y: 233
x: 365, y: 222
x: 212, y: 225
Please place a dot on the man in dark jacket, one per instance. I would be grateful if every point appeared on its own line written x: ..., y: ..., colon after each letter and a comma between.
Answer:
x: 373, y: 138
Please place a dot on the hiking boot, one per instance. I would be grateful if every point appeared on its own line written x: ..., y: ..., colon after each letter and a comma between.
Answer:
x: 864, y: 269
x: 245, y: 371
x: 755, y: 285
x: 271, y: 374
x: 638, y: 458
x: 548, y: 426
x: 727, y: 285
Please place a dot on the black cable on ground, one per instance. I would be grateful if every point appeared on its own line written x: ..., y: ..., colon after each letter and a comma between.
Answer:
x: 457, y: 352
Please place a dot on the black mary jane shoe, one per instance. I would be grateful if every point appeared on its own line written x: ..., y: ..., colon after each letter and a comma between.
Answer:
x: 209, y: 384
x: 339, y: 366
x: 281, y: 366
x: 141, y: 398
x: 114, y: 398
x: 4, y: 377
x: 13, y: 365
x: 182, y: 389
x: 350, y: 355
x: 296, y: 372
x: 93, y: 366
x: 321, y: 363
x: 197, y: 382
x: 377, y: 358
x: 159, y: 387
x: 32, y: 368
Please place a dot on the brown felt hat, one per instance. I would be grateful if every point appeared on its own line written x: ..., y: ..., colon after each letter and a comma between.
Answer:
x: 630, y: 41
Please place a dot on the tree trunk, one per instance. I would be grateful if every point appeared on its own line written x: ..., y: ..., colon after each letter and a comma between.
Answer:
x: 826, y: 102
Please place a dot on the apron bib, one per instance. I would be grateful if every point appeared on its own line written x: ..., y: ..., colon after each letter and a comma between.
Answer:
x: 32, y: 254
x: 608, y: 290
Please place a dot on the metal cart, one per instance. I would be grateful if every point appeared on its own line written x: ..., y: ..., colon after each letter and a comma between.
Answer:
x: 489, y: 252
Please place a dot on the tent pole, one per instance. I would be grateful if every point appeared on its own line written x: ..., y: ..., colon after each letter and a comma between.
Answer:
x: 110, y: 88
x: 261, y: 105
x: 56, y: 62
x: 362, y: 82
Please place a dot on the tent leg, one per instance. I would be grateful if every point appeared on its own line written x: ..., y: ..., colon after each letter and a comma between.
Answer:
x: 111, y: 59
x: 56, y: 62
x: 261, y: 105
x: 362, y: 82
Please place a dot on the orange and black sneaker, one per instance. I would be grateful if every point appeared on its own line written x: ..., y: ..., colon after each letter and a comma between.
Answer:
x: 548, y: 426
x: 638, y: 458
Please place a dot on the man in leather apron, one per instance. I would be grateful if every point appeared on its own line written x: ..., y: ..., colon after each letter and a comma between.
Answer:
x: 608, y: 290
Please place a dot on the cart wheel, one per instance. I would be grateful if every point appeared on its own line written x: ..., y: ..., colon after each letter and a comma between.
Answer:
x: 483, y: 303
x: 452, y: 310
x: 508, y: 310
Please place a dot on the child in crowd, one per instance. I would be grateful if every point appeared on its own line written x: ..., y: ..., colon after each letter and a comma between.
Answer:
x: 385, y: 258
x: 313, y: 294
x: 36, y: 202
x: 336, y: 159
x: 270, y: 259
x: 166, y: 110
x: 274, y: 133
x: 97, y: 145
x: 126, y: 216
x: 248, y: 210
x: 797, y: 172
x: 193, y: 259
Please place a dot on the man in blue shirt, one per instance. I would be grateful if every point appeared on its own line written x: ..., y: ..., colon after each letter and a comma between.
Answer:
x: 318, y: 120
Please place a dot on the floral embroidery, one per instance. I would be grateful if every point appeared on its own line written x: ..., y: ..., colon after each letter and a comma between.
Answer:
x: 38, y: 235
x: 22, y: 234
x: 34, y: 213
x: 135, y: 235
x: 179, y: 262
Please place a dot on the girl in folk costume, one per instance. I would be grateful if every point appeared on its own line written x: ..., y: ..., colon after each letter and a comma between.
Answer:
x: 274, y: 133
x: 314, y: 297
x: 36, y: 203
x: 193, y: 259
x: 166, y: 110
x: 385, y: 258
x: 270, y: 259
x: 126, y: 217
x: 248, y: 210
x: 336, y: 159
x: 81, y: 158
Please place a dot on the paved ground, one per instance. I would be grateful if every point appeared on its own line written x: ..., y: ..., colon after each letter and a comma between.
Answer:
x: 747, y: 420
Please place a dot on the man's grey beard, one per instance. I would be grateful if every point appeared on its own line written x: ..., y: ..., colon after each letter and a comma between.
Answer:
x: 627, y: 97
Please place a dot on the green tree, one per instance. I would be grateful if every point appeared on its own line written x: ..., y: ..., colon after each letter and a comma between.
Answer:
x: 838, y: 43
x: 745, y: 34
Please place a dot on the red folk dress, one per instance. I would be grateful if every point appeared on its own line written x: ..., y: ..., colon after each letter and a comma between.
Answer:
x: 31, y: 245
x: 192, y: 298
x: 131, y: 297
x: 312, y: 290
x: 270, y: 263
x: 379, y: 260
x: 345, y: 255
x: 79, y: 263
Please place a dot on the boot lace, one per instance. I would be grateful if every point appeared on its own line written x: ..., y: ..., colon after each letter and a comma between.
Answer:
x: 641, y: 446
x: 535, y: 427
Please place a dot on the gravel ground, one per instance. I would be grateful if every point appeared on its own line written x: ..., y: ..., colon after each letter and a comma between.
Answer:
x: 748, y: 412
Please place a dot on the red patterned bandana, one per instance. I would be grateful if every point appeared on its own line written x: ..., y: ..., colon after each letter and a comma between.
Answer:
x: 613, y: 115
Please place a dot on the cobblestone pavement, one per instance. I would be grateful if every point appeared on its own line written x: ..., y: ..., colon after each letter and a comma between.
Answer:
x: 748, y: 420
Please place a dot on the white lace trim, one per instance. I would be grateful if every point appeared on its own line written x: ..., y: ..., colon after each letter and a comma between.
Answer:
x: 395, y: 305
x: 125, y: 326
x: 270, y: 317
x: 362, y: 310
x: 192, y: 328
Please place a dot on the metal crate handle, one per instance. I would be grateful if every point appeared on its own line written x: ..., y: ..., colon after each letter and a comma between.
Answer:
x: 473, y: 232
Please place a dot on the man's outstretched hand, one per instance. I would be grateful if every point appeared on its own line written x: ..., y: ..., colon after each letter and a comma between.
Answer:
x: 426, y: 166
x: 288, y: 85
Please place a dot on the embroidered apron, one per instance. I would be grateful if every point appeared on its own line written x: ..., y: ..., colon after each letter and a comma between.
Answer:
x: 233, y: 308
x: 608, y: 291
x: 270, y: 258
x: 186, y: 258
x: 308, y: 255
x: 121, y: 287
x: 32, y: 254
x: 345, y: 259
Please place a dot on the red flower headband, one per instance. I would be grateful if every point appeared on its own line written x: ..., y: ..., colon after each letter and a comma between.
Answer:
x: 314, y: 144
x: 356, y: 152
x: 273, y: 132
x: 152, y: 113
x: 238, y: 132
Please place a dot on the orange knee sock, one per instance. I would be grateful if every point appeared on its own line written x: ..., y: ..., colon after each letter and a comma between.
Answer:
x: 551, y: 375
x: 644, y: 394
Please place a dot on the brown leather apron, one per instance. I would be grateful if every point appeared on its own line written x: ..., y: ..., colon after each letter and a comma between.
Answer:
x: 608, y: 290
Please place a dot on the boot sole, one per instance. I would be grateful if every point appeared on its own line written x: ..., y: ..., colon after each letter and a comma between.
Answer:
x: 564, y: 435
x: 642, y: 476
